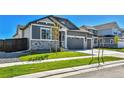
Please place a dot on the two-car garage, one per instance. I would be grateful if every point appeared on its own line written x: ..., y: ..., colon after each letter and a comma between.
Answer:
x: 78, y: 40
x: 75, y: 43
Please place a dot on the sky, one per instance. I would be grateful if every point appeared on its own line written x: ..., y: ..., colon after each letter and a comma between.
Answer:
x: 8, y: 23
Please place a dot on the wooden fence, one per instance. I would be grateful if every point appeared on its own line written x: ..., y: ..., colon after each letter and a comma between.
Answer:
x: 13, y: 45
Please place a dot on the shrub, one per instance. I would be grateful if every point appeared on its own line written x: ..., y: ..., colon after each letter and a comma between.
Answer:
x: 38, y: 58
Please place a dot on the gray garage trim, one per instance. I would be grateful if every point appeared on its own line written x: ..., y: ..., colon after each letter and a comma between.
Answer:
x: 75, y: 43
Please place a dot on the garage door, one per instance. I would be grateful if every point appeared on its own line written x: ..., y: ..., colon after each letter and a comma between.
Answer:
x: 88, y: 43
x: 75, y: 43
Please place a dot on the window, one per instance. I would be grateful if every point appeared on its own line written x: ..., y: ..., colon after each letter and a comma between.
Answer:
x: 46, y: 33
x: 95, y: 32
x: 45, y: 23
x: 111, y: 41
x: 62, y: 34
x: 95, y: 41
x: 115, y: 33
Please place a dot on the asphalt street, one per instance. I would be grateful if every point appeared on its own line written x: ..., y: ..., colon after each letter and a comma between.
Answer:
x: 113, y: 72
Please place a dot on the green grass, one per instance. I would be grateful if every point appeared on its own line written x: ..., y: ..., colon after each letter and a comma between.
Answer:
x: 32, y: 68
x: 51, y: 56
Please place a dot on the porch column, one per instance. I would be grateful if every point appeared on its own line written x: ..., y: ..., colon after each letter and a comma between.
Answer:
x: 30, y: 37
x: 65, y: 39
x: 85, y: 42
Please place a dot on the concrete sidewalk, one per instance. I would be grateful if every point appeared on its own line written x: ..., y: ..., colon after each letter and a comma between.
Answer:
x: 106, y: 52
x: 72, y: 71
x: 41, y: 61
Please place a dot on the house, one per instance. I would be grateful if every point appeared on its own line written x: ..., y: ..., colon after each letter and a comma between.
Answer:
x: 108, y: 31
x: 94, y: 31
x: 53, y: 32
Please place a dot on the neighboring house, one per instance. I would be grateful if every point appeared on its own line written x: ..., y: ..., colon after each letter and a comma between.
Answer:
x: 95, y: 33
x: 19, y: 32
x: 90, y: 29
x: 108, y: 31
x: 54, y: 32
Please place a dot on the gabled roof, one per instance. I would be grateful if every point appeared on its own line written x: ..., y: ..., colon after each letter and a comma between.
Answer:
x: 106, y: 26
x: 35, y: 21
x: 82, y: 30
x: 18, y: 27
x: 63, y: 21
x: 87, y: 27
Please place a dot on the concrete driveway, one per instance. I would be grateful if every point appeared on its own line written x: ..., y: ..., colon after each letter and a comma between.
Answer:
x: 10, y: 57
x: 106, y: 52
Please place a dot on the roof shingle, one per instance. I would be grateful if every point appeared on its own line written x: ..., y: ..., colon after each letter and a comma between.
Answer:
x: 106, y: 26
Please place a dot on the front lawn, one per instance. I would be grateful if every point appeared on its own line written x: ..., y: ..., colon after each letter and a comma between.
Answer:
x: 51, y: 56
x: 33, y: 68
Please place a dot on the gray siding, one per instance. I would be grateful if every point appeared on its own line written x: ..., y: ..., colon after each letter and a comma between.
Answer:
x: 27, y: 32
x: 89, y: 35
x: 107, y: 39
x: 110, y: 45
x: 74, y: 33
x: 107, y: 43
x: 35, y: 32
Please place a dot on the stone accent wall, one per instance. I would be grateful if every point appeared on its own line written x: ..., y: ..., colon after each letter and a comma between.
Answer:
x: 43, y: 45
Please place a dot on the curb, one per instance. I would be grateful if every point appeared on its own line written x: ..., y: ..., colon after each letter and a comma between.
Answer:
x: 72, y: 71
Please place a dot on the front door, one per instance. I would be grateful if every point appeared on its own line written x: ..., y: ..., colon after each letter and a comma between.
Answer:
x: 89, y: 43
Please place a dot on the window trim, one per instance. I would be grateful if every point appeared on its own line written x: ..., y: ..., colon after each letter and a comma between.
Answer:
x: 50, y: 29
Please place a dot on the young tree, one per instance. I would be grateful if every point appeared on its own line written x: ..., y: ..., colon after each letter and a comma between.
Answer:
x: 92, y: 52
x: 102, y: 49
x: 56, y: 35
x: 116, y: 39
x: 99, y: 45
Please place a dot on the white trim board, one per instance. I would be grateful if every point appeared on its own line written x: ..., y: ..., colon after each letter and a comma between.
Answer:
x: 44, y: 25
x: 75, y: 36
x: 44, y: 40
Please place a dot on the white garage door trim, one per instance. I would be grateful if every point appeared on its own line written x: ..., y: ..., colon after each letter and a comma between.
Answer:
x: 75, y: 36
